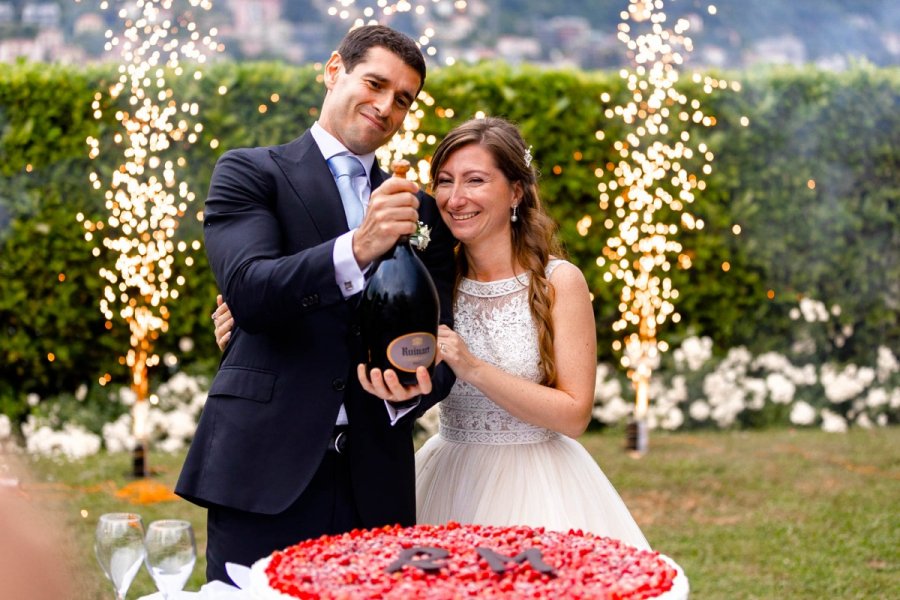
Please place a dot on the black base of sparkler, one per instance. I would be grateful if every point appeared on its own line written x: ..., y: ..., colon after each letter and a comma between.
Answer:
x: 636, y: 441
x: 139, y: 468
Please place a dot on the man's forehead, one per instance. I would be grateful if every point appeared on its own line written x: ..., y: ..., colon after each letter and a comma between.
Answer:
x: 376, y: 68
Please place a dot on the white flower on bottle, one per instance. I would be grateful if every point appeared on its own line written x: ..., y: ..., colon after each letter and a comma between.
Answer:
x: 421, y: 237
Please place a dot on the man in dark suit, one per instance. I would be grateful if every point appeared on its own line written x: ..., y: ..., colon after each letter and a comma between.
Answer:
x: 289, y: 445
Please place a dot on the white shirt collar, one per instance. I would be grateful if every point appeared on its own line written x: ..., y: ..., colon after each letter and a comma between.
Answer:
x: 330, y: 146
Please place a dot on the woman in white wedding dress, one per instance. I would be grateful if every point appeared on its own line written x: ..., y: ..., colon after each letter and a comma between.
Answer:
x: 523, y: 351
x: 524, y: 354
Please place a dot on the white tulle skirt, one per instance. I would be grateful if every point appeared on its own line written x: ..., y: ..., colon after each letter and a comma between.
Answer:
x: 554, y: 484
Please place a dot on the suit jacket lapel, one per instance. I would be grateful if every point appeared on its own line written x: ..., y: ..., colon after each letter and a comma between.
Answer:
x: 306, y: 171
x: 377, y: 176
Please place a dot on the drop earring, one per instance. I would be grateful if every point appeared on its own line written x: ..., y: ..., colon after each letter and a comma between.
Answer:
x: 515, y: 214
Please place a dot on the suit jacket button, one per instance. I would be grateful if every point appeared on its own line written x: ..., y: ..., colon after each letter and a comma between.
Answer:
x: 338, y: 384
x: 356, y: 330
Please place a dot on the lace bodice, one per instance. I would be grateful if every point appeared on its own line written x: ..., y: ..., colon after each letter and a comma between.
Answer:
x: 494, y: 321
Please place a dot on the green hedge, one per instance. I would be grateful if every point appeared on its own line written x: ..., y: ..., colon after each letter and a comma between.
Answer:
x: 838, y: 242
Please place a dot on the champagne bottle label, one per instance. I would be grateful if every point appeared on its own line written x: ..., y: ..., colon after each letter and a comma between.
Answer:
x: 412, y: 350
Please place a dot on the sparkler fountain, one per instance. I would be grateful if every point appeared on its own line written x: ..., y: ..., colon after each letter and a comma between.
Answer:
x: 649, y: 194
x: 144, y: 197
x: 425, y: 13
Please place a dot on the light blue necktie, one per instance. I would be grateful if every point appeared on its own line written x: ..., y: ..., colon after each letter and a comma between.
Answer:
x: 345, y: 168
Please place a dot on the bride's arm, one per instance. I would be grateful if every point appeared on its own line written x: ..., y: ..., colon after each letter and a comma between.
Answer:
x: 567, y: 406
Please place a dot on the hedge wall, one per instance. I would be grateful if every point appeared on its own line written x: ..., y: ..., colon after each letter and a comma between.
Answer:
x: 813, y: 182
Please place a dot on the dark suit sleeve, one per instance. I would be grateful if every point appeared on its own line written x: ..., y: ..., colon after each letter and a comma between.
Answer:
x: 267, y: 285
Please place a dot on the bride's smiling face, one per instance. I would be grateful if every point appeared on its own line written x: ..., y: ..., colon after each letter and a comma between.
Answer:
x: 474, y: 196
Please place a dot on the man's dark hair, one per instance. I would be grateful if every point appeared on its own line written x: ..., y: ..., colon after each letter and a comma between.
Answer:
x: 356, y: 44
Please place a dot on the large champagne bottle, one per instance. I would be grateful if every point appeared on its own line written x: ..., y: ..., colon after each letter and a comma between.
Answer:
x: 399, y: 310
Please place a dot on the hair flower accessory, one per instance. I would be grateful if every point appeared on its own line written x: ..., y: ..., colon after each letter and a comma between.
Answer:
x: 528, y: 156
x: 421, y: 237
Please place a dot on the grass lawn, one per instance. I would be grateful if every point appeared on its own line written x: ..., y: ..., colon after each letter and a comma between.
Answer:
x: 771, y: 514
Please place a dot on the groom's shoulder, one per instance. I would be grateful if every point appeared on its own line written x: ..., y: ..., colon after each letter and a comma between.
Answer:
x: 243, y: 155
x: 262, y: 153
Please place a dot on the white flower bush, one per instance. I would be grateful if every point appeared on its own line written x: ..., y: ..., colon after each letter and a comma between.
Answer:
x: 730, y: 391
x: 7, y: 443
x: 693, y: 389
x: 613, y: 408
x: 780, y: 389
x: 803, y: 413
x: 72, y: 441
x: 170, y: 417
x: 886, y: 364
x: 118, y: 436
x: 693, y: 353
x: 833, y: 422
x: 5, y: 429
x: 803, y: 388
x: 843, y: 384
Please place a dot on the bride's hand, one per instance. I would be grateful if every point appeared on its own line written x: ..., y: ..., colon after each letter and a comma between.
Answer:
x: 454, y: 351
x: 223, y: 322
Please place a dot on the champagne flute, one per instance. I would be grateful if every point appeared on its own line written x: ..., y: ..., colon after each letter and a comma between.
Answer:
x: 119, y: 546
x: 171, y: 554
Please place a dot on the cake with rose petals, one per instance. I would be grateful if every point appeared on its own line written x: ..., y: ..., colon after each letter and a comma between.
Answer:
x: 466, y: 561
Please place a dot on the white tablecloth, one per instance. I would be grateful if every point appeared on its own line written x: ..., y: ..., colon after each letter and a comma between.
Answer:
x: 216, y: 590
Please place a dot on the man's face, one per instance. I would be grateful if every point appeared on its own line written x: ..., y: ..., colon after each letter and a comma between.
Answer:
x: 363, y: 109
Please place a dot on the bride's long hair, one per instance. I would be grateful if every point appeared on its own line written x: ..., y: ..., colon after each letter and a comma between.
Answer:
x: 534, y: 238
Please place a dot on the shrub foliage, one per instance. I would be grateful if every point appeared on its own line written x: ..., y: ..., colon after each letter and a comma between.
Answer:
x: 812, y: 180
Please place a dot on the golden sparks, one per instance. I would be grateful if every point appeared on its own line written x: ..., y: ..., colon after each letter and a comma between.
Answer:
x: 648, y: 192
x: 144, y: 197
x: 424, y: 14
